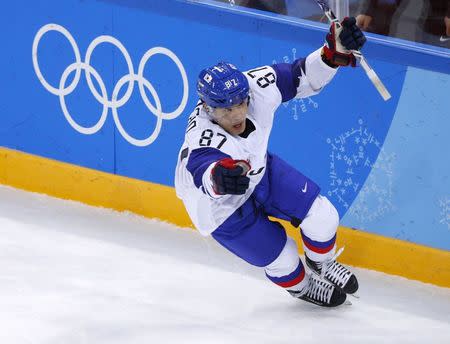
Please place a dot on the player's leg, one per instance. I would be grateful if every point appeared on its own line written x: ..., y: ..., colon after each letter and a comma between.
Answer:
x: 294, y: 197
x: 250, y: 235
x: 299, y: 283
x: 320, y: 245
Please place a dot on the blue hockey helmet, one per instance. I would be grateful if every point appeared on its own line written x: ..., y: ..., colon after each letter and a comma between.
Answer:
x: 222, y: 85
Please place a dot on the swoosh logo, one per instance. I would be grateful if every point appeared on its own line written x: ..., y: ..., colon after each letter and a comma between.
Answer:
x: 305, y: 187
x: 444, y: 39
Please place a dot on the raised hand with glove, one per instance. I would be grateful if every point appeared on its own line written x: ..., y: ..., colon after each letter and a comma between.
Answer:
x: 342, y: 38
x: 229, y: 177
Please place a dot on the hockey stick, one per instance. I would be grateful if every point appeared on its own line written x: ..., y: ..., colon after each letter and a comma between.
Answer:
x: 359, y: 56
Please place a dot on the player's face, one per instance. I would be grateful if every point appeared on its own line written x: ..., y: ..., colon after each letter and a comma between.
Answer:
x: 232, y: 119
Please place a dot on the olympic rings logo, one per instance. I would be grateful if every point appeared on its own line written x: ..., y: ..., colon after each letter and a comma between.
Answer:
x: 114, y: 103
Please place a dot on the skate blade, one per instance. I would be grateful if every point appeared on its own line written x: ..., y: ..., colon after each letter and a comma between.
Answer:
x: 347, y: 303
x: 355, y: 295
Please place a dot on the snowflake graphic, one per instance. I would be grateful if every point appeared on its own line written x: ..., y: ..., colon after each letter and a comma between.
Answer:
x: 298, y: 106
x: 375, y: 198
x: 349, y: 158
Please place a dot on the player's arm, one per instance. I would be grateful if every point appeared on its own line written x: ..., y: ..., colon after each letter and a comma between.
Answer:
x: 306, y: 77
x: 216, y: 173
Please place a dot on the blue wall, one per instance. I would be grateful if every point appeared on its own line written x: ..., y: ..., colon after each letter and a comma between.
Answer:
x: 381, y: 163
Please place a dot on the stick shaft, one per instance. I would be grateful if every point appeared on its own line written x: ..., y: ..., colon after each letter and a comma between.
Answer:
x: 373, y: 77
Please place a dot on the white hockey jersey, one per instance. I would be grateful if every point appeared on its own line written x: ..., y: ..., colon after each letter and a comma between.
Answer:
x: 206, y: 209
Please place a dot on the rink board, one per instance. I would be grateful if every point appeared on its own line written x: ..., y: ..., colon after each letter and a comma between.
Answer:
x: 85, y: 93
x: 151, y: 200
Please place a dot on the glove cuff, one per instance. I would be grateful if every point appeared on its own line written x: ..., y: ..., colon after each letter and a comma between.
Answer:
x: 230, y: 163
x: 335, y: 58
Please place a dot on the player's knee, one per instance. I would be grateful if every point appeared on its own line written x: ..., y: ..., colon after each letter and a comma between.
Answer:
x: 333, y: 216
x: 322, y: 220
x: 286, y: 262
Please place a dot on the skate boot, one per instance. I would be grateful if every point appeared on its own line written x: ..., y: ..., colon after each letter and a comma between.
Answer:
x: 320, y: 292
x: 335, y: 273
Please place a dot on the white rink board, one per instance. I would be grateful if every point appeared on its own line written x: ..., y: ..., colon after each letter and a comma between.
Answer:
x: 77, y: 274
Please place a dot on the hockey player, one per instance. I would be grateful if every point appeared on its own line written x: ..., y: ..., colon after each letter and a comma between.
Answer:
x: 230, y: 183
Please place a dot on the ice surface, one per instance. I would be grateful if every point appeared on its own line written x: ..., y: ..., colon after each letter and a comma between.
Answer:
x: 71, y: 273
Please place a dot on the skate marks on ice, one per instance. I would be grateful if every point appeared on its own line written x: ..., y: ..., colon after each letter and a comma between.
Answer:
x: 78, y: 274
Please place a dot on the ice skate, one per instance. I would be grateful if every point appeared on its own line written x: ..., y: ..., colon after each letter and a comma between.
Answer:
x: 335, y: 273
x: 320, y: 292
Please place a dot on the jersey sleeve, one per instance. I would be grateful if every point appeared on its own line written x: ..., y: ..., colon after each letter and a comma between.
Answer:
x: 263, y: 87
x: 304, y: 77
x: 200, y: 163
